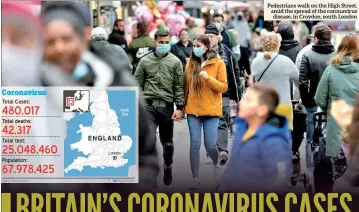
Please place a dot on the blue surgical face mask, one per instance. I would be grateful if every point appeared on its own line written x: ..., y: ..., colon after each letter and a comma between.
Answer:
x: 80, y: 71
x: 199, y: 51
x: 163, y: 48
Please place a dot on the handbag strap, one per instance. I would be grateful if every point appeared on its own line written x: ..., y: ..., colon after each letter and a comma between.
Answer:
x: 266, y: 68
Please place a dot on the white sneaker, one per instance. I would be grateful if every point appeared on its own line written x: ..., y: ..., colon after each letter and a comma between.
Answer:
x: 195, y: 184
x: 216, y: 172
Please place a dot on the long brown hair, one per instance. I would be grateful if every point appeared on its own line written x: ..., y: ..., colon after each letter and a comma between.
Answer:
x: 353, y: 133
x: 348, y: 47
x: 195, y: 65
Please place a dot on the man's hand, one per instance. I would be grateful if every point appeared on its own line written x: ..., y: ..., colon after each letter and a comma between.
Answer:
x: 250, y: 81
x: 204, y: 75
x: 177, y: 115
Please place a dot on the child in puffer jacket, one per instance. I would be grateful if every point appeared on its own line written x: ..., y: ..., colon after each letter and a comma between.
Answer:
x: 261, y: 158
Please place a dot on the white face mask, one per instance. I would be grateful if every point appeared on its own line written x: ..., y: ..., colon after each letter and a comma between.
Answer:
x: 220, y: 38
x: 20, y: 66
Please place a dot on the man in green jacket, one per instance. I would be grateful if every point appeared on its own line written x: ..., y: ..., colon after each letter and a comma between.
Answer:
x: 160, y: 76
x: 140, y: 46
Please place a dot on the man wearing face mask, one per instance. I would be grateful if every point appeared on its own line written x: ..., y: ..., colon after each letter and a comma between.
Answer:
x: 70, y: 62
x: 160, y: 76
x: 227, y: 37
x: 234, y: 92
x: 22, y: 45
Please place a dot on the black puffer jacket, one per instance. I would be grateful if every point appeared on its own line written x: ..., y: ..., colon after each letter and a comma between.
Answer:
x: 313, y: 64
x: 235, y: 85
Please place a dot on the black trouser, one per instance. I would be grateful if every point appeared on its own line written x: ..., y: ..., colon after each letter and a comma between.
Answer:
x: 323, y: 175
x: 161, y: 117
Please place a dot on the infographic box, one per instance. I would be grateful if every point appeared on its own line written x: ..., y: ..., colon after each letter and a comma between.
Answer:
x: 69, y: 135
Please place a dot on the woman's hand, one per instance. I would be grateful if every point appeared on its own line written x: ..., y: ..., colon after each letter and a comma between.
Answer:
x: 204, y: 75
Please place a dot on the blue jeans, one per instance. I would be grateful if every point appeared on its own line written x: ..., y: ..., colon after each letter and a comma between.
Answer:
x: 309, y: 136
x: 210, y: 126
x: 310, y: 124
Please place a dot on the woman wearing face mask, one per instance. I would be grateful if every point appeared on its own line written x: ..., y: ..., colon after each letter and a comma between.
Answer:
x: 205, y: 81
x: 22, y: 45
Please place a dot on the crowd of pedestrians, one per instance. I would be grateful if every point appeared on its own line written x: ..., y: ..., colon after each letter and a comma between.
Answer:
x: 198, y: 77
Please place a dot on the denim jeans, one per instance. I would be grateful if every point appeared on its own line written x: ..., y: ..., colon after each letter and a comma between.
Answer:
x: 222, y: 138
x: 210, y: 126
x: 310, y: 124
x: 309, y: 136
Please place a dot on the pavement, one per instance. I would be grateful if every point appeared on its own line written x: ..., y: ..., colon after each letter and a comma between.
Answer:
x: 181, y: 166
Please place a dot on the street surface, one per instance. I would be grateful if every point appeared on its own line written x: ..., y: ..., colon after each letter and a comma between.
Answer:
x: 181, y: 166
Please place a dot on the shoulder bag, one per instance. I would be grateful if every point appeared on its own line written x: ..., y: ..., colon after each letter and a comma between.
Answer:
x: 259, y: 79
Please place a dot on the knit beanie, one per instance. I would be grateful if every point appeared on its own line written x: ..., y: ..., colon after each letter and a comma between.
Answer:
x: 285, y: 29
x: 211, y: 29
x: 99, y: 33
x: 75, y: 13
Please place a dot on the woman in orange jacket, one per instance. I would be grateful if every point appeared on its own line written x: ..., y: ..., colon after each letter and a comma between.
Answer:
x: 205, y: 81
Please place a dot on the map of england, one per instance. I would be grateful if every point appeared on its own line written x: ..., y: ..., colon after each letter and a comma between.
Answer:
x: 99, y: 142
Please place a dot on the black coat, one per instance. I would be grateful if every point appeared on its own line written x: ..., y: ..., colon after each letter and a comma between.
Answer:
x: 314, y: 62
x: 117, y: 38
x: 235, y: 85
x: 290, y: 48
x: 182, y: 52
